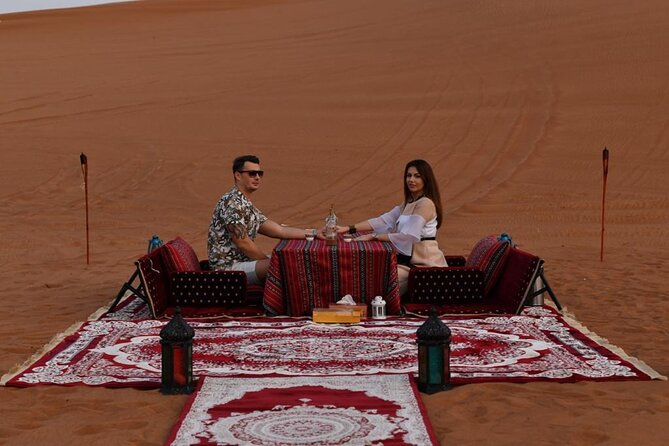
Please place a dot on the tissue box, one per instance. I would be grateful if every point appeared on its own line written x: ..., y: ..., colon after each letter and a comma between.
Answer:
x: 336, y: 315
x: 361, y: 308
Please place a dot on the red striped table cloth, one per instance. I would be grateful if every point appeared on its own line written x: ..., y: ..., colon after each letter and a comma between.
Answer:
x: 304, y: 275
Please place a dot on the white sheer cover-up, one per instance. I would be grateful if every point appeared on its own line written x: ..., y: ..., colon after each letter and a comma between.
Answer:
x: 402, y: 232
x: 405, y: 226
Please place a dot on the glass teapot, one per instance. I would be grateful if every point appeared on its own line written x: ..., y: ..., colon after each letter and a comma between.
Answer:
x: 331, y: 227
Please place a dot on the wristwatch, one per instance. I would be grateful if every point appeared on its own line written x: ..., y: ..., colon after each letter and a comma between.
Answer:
x: 351, y: 229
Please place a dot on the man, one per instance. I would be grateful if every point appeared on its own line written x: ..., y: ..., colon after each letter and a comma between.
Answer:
x: 236, y: 222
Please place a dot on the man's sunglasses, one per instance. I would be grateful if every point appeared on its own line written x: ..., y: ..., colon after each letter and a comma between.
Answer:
x: 254, y: 173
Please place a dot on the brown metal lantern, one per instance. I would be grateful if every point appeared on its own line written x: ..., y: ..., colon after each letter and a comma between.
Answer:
x: 176, y: 340
x: 434, y: 354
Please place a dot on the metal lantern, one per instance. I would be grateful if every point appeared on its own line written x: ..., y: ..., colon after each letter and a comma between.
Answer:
x: 434, y: 354
x: 176, y: 340
x: 154, y: 243
x: 378, y: 308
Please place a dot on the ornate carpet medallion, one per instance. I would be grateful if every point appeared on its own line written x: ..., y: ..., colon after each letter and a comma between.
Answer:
x: 380, y: 409
x: 538, y: 345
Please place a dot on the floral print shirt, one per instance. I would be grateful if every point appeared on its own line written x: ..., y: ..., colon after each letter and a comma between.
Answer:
x: 234, y: 214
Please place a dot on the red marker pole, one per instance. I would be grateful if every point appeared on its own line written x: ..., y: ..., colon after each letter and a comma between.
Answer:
x: 605, y: 165
x: 84, y: 171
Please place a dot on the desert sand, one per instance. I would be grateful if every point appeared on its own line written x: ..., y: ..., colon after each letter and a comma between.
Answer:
x: 512, y: 102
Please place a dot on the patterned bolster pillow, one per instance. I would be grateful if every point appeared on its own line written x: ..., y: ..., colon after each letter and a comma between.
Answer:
x: 209, y: 288
x: 180, y: 257
x: 440, y: 285
x: 489, y: 256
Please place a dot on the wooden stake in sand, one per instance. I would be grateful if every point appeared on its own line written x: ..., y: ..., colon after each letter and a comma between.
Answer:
x: 605, y: 162
x: 84, y: 170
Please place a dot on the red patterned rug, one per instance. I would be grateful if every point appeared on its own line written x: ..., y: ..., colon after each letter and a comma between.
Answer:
x: 539, y: 345
x: 332, y: 410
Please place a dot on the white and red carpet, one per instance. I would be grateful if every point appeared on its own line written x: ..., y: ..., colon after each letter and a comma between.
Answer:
x: 324, y: 410
x: 539, y: 345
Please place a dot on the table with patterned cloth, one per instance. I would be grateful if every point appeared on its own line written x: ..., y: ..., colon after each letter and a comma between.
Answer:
x: 304, y: 275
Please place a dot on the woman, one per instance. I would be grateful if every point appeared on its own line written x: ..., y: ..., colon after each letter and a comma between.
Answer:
x: 411, y: 226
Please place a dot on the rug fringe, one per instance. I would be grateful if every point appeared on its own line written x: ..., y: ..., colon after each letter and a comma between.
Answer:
x: 570, y: 318
x: 94, y: 316
x: 20, y: 368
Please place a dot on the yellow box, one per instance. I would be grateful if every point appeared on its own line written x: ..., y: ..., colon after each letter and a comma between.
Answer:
x: 336, y: 315
x: 361, y: 308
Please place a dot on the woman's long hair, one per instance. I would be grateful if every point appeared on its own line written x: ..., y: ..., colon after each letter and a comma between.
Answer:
x: 430, y: 186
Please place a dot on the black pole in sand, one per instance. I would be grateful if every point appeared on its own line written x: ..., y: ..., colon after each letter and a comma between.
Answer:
x: 605, y: 162
x: 84, y: 170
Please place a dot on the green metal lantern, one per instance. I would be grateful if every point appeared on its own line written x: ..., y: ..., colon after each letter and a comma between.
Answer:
x: 434, y: 355
x: 176, y: 340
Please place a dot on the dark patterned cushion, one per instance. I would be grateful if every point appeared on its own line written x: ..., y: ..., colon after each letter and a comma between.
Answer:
x: 434, y: 285
x: 209, y: 288
x: 453, y: 308
x: 179, y: 256
x: 489, y: 255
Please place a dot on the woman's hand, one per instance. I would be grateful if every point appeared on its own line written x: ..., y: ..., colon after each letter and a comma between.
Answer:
x: 342, y: 229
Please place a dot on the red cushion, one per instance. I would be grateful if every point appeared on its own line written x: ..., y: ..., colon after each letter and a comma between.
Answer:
x: 180, y: 257
x: 156, y: 286
x: 489, y: 256
x: 519, y: 273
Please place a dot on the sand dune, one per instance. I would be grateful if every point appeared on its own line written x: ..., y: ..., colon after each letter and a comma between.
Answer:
x: 512, y: 102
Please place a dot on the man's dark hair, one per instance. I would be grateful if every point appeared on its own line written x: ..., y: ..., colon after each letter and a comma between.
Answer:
x: 238, y: 163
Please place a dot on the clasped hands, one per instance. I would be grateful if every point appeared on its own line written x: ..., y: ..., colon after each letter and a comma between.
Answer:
x: 344, y: 230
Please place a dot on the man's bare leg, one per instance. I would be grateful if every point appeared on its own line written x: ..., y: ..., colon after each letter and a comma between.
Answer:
x: 262, y: 266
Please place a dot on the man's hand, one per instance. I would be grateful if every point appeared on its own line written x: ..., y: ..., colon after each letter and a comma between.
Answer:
x: 365, y: 237
x: 273, y: 229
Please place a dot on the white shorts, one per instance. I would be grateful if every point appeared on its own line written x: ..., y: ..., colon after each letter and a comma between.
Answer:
x: 249, y: 268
